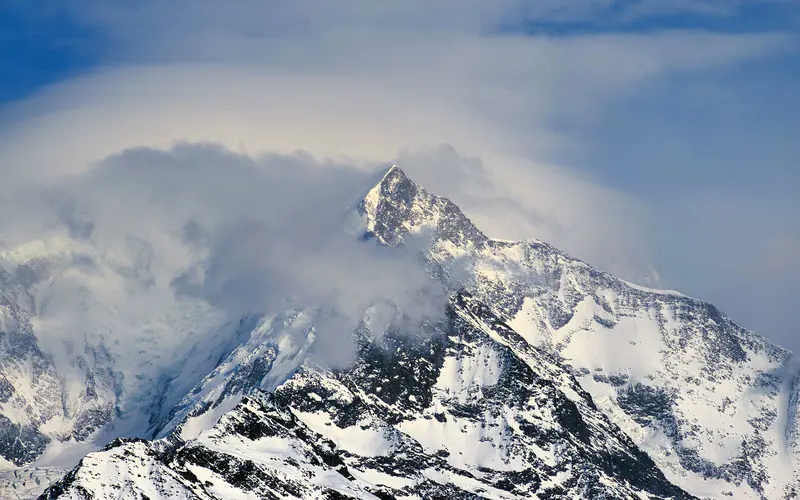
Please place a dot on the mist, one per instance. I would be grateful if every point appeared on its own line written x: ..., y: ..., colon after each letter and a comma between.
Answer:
x: 618, y: 141
x: 151, y: 252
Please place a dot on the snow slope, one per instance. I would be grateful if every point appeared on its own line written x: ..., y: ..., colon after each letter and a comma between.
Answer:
x: 89, y: 353
x: 71, y: 315
x: 464, y: 408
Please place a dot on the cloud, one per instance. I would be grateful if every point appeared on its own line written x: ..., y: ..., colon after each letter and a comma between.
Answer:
x: 362, y: 84
x: 495, y: 98
x: 145, y: 230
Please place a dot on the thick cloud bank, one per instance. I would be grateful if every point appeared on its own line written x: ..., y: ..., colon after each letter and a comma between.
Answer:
x: 608, y: 130
x: 149, y: 229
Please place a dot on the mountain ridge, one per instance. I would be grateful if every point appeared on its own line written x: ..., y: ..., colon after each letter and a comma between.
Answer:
x: 350, y: 401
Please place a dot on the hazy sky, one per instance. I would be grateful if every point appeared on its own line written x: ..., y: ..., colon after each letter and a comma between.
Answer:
x: 655, y: 139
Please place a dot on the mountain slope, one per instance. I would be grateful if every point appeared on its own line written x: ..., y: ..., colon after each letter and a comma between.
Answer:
x: 35, y: 405
x: 88, y: 353
x: 460, y: 409
x: 709, y: 400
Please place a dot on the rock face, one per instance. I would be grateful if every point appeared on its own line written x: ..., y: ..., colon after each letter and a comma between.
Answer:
x: 544, y: 378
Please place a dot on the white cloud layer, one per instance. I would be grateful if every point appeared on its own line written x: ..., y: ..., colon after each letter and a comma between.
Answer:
x: 199, y: 228
x: 495, y: 98
x: 363, y: 84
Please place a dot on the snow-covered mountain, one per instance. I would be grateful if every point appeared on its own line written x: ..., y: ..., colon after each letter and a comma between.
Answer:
x: 543, y: 378
x: 713, y: 404
x: 459, y: 409
x: 36, y: 405
x: 63, y: 390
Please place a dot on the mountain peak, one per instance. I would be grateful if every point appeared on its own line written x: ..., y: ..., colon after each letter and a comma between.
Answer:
x: 390, y: 178
x: 394, y: 170
x: 396, y: 207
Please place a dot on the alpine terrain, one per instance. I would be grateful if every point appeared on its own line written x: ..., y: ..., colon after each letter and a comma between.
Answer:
x: 540, y: 377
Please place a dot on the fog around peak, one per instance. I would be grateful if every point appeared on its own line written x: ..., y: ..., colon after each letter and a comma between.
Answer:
x: 655, y: 149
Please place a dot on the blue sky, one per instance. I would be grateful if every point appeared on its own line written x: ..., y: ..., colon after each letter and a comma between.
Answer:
x: 45, y: 42
x: 39, y: 48
x: 645, y: 135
